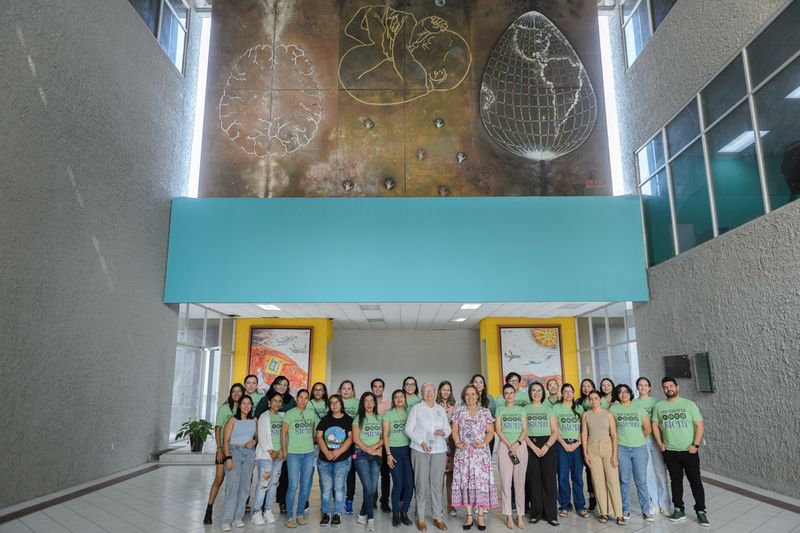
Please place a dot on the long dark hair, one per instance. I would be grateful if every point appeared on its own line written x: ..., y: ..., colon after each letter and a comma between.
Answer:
x: 339, y: 399
x: 287, y: 397
x: 324, y: 392
x: 450, y: 401
x: 416, y: 387
x: 530, y: 391
x: 238, y: 414
x: 362, y: 411
x: 230, y: 401
x: 270, y: 395
x: 574, y: 402
x: 483, y: 396
x: 405, y: 405
x: 585, y: 397
x: 600, y: 390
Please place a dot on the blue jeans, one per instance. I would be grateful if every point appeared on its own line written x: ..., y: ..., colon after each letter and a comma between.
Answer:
x: 333, y: 478
x: 657, y: 477
x: 402, y: 479
x: 570, y: 466
x: 237, y: 483
x: 633, y: 464
x: 368, y: 468
x: 273, y: 468
x: 301, y: 472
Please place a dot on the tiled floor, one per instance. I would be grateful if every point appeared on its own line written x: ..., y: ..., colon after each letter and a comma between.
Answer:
x: 172, y: 499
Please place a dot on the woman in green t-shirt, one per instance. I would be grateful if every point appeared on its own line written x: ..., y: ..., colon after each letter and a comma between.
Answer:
x: 633, y: 425
x: 540, y: 478
x: 570, y: 456
x: 297, y: 438
x: 368, y: 438
x: 398, y: 457
x: 511, y: 427
x: 319, y: 400
x: 224, y: 412
x: 606, y: 393
x: 348, y: 392
x: 412, y: 391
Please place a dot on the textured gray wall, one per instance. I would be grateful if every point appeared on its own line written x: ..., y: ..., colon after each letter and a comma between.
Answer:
x: 736, y: 296
x: 94, y: 141
x: 454, y: 355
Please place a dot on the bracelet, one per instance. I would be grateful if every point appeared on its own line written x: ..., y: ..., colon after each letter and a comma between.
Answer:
x: 228, y: 457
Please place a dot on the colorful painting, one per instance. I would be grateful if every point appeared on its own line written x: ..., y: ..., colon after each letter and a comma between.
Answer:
x: 533, y: 352
x: 280, y: 352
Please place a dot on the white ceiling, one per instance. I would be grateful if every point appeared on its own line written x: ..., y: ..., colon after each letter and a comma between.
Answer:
x: 421, y: 316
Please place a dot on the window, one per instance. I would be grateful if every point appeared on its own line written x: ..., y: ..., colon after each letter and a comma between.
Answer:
x: 683, y: 129
x: 640, y: 18
x: 692, y: 206
x: 776, y: 44
x: 168, y: 21
x: 611, y: 349
x: 654, y: 193
x: 724, y: 91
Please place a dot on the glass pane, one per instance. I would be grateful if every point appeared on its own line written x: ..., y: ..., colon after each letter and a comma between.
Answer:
x: 601, y: 365
x: 616, y: 323
x: 172, y: 37
x: 148, y: 10
x: 637, y: 33
x: 585, y: 361
x: 776, y: 44
x: 778, y: 109
x: 183, y: 321
x: 620, y: 366
x: 628, y: 7
x: 692, y: 210
x: 724, y: 91
x: 660, y: 10
x: 657, y: 219
x: 599, y: 336
x: 186, y: 392
x: 630, y: 321
x: 734, y: 170
x: 650, y: 158
x: 194, y: 334
x: 634, y: 360
x: 213, y: 330
x: 583, y: 333
x: 683, y: 128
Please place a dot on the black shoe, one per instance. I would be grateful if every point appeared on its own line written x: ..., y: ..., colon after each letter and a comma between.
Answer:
x: 405, y: 520
x: 385, y: 507
x: 395, y: 519
x: 326, y: 520
x: 336, y: 521
x: 306, y: 508
x: 374, y: 504
x: 592, y: 504
x: 534, y: 520
x: 207, y: 517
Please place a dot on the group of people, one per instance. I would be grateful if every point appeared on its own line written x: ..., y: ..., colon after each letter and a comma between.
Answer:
x: 422, y: 443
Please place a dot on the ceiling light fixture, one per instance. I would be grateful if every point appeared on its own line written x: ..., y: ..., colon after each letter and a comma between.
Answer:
x: 269, y: 307
x: 794, y: 95
x: 470, y: 306
x: 461, y: 319
x: 745, y: 139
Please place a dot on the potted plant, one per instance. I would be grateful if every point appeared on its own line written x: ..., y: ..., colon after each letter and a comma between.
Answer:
x: 197, y: 431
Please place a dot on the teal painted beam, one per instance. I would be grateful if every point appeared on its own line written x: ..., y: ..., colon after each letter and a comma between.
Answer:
x: 238, y: 250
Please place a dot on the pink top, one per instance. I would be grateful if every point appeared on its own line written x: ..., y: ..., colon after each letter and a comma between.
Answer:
x: 384, y: 405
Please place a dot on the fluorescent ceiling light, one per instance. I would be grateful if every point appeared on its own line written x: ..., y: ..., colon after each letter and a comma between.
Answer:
x: 470, y: 306
x: 462, y: 319
x: 269, y: 307
x: 795, y: 95
x: 369, y: 307
x: 745, y: 139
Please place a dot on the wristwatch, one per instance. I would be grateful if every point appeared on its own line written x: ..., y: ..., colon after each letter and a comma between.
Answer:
x: 697, y: 446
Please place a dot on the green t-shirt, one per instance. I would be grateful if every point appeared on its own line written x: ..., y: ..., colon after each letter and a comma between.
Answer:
x: 275, y: 422
x: 492, y: 404
x: 676, y: 422
x: 521, y: 398
x: 256, y: 396
x: 587, y: 406
x: 319, y: 408
x: 569, y: 423
x: 397, y: 427
x: 539, y: 419
x: 223, y: 414
x: 411, y: 402
x: 351, y: 407
x: 300, y: 435
x: 552, y: 403
x: 510, y: 421
x: 647, y: 405
x: 371, y: 429
x: 629, y: 424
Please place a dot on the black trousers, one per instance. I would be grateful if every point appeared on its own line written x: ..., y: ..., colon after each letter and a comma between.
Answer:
x: 385, y: 479
x: 679, y: 463
x: 351, y: 482
x: 540, y: 482
x: 283, y: 484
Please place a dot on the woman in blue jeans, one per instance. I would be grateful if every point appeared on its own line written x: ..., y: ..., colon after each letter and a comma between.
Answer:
x: 570, y: 455
x: 269, y: 460
x: 633, y: 425
x: 239, y: 441
x: 334, y: 437
x: 398, y: 458
x: 297, y: 438
x: 368, y: 437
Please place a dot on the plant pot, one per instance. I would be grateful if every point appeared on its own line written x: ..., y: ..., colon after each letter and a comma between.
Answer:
x: 196, y: 443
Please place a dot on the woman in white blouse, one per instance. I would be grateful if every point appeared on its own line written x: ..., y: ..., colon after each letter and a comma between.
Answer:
x: 428, y: 429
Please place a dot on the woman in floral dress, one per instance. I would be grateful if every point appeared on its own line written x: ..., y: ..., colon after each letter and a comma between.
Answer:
x: 473, y: 479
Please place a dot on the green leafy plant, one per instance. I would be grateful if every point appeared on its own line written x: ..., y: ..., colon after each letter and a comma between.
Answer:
x: 195, y: 429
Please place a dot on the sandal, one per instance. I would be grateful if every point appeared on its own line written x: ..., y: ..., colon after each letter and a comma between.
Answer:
x: 468, y: 524
x: 509, y: 522
x: 620, y: 520
x: 583, y: 514
x: 603, y: 519
x: 481, y: 522
x: 562, y: 513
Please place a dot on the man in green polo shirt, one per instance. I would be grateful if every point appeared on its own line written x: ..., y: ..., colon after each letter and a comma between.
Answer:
x: 678, y: 430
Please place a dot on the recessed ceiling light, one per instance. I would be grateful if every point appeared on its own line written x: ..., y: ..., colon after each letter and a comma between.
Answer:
x: 470, y: 306
x: 461, y: 319
x: 369, y: 307
x: 745, y: 139
x: 269, y: 307
x: 375, y: 320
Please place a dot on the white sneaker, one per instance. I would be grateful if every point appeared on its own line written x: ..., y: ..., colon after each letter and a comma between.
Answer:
x: 371, y: 524
x: 269, y: 517
x: 238, y: 523
x: 226, y: 527
x: 626, y: 517
x: 362, y: 519
x: 665, y: 511
x: 258, y: 518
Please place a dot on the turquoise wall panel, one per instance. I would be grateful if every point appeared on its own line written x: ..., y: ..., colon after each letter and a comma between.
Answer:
x: 406, y: 250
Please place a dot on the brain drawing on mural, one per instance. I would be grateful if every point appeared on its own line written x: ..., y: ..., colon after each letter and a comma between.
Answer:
x: 264, y: 121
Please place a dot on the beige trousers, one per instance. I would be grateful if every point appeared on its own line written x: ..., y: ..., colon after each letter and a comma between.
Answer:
x: 605, y: 478
x: 511, y: 473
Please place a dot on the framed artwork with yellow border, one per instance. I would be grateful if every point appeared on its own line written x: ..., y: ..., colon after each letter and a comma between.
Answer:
x: 533, y: 352
x: 280, y: 351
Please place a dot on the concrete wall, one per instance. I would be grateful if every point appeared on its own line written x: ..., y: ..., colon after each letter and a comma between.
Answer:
x: 392, y: 355
x: 736, y: 296
x: 95, y: 140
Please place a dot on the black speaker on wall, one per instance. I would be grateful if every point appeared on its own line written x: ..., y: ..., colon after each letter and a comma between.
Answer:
x: 677, y: 366
x: 702, y: 371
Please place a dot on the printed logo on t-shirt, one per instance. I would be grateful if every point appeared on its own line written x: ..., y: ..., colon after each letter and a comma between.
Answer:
x: 303, y: 426
x: 675, y: 419
x: 569, y: 423
x: 334, y: 437
x: 512, y: 421
x: 628, y: 421
x: 538, y: 421
x: 371, y: 430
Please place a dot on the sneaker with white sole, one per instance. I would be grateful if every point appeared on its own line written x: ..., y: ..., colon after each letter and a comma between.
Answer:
x: 678, y: 515
x: 258, y: 518
x: 626, y: 517
x: 648, y: 517
x: 665, y: 511
x: 371, y: 524
x: 226, y: 527
x: 702, y: 519
x: 269, y: 517
x: 362, y: 519
x: 238, y: 523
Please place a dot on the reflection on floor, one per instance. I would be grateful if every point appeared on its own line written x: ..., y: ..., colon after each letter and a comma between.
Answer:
x: 173, y: 499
